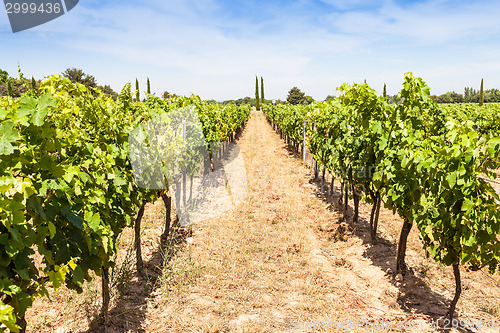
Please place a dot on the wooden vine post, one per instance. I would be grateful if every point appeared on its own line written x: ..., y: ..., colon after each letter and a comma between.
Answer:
x: 137, y: 240
x: 105, y: 294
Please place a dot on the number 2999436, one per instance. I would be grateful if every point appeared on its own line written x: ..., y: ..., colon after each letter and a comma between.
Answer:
x: 33, y: 8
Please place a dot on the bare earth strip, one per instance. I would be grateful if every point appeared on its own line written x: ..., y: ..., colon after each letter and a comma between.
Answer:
x: 260, y: 264
x: 271, y: 264
x: 282, y: 260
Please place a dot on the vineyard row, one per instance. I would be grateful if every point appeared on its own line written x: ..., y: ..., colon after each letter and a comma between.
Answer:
x: 67, y: 187
x: 427, y: 163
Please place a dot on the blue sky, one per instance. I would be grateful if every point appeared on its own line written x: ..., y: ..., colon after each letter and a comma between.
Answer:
x: 214, y: 48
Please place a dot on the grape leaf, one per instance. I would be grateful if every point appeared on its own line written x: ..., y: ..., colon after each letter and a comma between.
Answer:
x: 8, y: 135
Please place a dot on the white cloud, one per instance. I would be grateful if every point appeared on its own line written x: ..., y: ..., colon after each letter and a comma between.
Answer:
x: 426, y: 23
x: 206, y: 48
x: 345, y: 5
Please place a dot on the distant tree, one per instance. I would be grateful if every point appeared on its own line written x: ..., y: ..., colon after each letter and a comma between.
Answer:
x: 394, y: 99
x: 469, y: 94
x: 487, y: 97
x: 295, y: 96
x: 493, y: 96
x: 77, y: 75
x: 263, y: 100
x: 15, y: 87
x: 308, y: 100
x: 148, y: 86
x: 384, y: 92
x: 109, y: 92
x: 444, y: 99
x: 246, y: 100
x: 475, y: 98
x: 34, y: 87
x: 329, y: 98
x: 257, y: 103
x: 3, y: 76
x: 137, y: 92
x: 456, y: 98
x: 481, y: 94
x: 9, y: 88
x: 449, y: 97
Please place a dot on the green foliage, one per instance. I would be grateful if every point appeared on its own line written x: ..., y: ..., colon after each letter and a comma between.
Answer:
x: 449, y: 97
x: 262, y: 90
x: 459, y: 219
x: 12, y: 87
x: 137, y: 92
x: 167, y: 95
x: 469, y: 94
x: 242, y: 101
x: 148, y: 86
x: 489, y: 96
x: 9, y: 88
x: 289, y: 118
x: 79, y: 76
x: 492, y: 96
x: 484, y: 119
x: 295, y: 96
x: 308, y: 100
x: 34, y: 88
x: 68, y: 194
x: 108, y: 92
x: 426, y: 161
x: 3, y: 76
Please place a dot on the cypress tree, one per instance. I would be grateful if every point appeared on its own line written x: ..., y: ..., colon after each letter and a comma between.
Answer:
x: 257, y: 102
x: 481, y: 94
x: 33, y: 86
x: 149, y: 87
x: 137, y: 93
x: 9, y: 88
x: 385, y: 91
x: 262, y: 90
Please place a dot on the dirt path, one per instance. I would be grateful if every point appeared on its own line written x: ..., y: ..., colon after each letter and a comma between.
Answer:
x: 280, y: 261
x: 268, y: 265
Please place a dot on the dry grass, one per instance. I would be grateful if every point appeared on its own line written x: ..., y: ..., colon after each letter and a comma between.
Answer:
x: 276, y: 260
x: 68, y: 311
x: 256, y: 268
